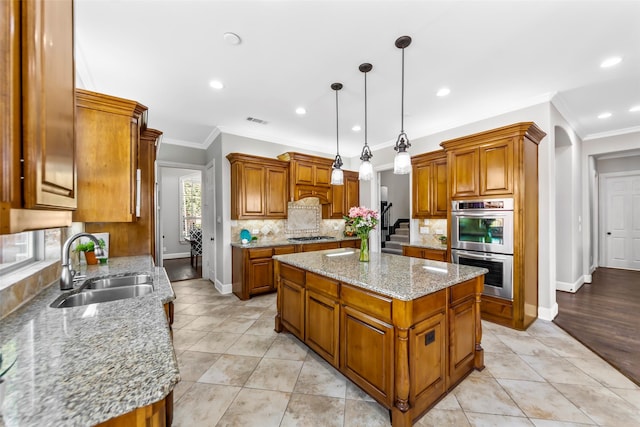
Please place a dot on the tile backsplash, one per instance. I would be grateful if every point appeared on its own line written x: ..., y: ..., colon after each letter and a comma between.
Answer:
x: 428, y: 231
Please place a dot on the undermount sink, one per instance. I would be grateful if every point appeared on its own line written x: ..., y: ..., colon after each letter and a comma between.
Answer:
x: 92, y: 296
x: 117, y: 281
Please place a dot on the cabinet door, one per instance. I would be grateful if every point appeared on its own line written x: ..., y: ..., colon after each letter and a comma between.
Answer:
x: 322, y: 326
x: 412, y: 251
x: 440, y: 200
x: 260, y: 275
x: 461, y: 339
x: 434, y: 254
x: 337, y: 206
x: 320, y: 246
x: 48, y: 136
x: 352, y: 191
x: 428, y: 369
x: 496, y: 168
x: 464, y: 172
x: 367, y: 353
x: 304, y: 174
x: 277, y: 192
x: 253, y: 186
x: 322, y: 175
x: 422, y: 190
x: 292, y: 307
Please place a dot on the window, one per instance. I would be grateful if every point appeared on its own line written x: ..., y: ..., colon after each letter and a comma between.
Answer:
x: 16, y: 250
x: 190, y: 204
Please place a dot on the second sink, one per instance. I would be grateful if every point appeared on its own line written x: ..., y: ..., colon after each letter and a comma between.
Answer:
x: 117, y: 281
x: 93, y: 296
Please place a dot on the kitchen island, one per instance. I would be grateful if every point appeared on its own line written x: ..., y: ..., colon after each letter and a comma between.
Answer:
x: 111, y: 362
x: 405, y: 330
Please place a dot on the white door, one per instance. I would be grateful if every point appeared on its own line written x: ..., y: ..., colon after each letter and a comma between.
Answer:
x: 621, y: 219
x: 209, y: 212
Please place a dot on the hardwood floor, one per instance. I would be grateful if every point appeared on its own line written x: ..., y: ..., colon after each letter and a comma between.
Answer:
x: 181, y: 269
x: 605, y: 316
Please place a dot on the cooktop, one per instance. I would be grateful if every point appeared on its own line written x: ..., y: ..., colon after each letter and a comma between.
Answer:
x: 310, y: 238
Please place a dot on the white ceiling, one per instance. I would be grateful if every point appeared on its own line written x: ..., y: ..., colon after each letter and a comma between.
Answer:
x: 495, y: 56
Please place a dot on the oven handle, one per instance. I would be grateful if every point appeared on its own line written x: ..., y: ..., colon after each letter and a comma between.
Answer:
x: 483, y: 214
x: 476, y: 255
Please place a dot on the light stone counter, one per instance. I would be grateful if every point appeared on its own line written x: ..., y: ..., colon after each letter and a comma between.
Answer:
x: 262, y: 243
x: 399, y: 277
x: 83, y: 365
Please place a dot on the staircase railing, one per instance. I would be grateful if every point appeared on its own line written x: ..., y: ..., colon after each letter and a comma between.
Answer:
x: 385, y: 221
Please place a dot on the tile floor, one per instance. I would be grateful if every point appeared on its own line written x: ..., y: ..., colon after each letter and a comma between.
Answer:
x: 236, y: 371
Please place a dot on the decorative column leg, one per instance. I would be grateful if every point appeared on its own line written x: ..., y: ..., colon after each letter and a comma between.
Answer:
x: 478, y: 361
x: 401, y: 415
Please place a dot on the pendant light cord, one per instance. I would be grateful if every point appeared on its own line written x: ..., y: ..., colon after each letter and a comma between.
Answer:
x: 402, y: 97
x: 365, y: 109
x: 337, y: 133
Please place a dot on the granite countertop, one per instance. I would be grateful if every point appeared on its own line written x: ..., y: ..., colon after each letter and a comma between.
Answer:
x: 84, y: 365
x: 261, y: 243
x: 399, y: 277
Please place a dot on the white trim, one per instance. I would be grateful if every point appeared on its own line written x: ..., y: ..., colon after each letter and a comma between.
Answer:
x: 608, y: 134
x: 548, y: 313
x: 587, y: 277
x: 211, y: 137
x: 222, y: 288
x: 177, y: 255
x: 181, y: 143
x: 570, y: 287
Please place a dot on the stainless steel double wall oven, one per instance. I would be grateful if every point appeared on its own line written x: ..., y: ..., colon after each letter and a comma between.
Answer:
x: 482, y: 236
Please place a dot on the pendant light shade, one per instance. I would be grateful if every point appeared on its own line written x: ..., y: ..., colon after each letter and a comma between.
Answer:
x: 337, y: 176
x: 365, y: 173
x: 402, y: 161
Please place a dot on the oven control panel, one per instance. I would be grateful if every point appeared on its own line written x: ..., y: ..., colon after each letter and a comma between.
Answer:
x: 493, y: 204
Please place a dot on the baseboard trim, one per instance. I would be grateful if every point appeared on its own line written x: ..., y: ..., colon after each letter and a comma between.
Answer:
x: 548, y: 313
x: 588, y: 278
x: 177, y: 255
x: 222, y: 288
x: 570, y: 287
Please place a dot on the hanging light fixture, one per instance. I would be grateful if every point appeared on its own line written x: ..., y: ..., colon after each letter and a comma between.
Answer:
x: 337, y: 177
x: 402, y: 161
x: 366, y: 169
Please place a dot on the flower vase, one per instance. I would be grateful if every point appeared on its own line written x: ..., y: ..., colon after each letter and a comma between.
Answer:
x: 364, y: 249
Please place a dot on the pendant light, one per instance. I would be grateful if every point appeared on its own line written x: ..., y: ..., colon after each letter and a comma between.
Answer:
x: 337, y: 177
x: 402, y: 161
x: 366, y: 168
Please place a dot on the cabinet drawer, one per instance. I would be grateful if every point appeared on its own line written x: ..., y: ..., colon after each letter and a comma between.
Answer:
x: 377, y: 305
x: 292, y: 273
x: 462, y: 291
x: 260, y: 253
x: 427, y: 305
x: 282, y: 250
x: 435, y: 254
x: 322, y: 284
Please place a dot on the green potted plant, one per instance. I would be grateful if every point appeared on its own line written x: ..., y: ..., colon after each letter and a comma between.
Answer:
x: 88, y: 248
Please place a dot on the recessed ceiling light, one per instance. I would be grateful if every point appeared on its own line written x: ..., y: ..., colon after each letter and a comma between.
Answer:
x: 356, y: 128
x: 604, y: 116
x: 634, y: 109
x: 231, y: 38
x: 216, y: 84
x: 443, y: 91
x: 610, y: 62
x: 301, y: 111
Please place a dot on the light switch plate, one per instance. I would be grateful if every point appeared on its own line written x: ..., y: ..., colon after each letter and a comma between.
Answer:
x: 424, y: 230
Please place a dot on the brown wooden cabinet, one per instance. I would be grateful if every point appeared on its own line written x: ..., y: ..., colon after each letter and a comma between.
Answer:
x: 425, y: 253
x: 291, y: 300
x: 343, y: 197
x: 252, y: 269
x: 462, y: 331
x: 429, y: 185
x: 108, y: 129
x: 148, y: 416
x: 259, y: 187
x: 310, y: 176
x: 38, y: 144
x: 497, y: 163
x: 481, y: 168
x: 320, y: 246
x: 322, y: 316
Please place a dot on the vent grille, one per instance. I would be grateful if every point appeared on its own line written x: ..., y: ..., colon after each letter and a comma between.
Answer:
x: 259, y: 121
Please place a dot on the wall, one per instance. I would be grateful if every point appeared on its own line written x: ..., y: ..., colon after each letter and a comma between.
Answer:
x: 399, y: 194
x: 618, y: 164
x: 181, y: 154
x: 170, y: 212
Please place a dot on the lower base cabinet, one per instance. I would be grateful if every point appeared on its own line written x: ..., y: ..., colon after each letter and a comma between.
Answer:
x: 148, y: 416
x: 404, y: 354
x: 425, y: 253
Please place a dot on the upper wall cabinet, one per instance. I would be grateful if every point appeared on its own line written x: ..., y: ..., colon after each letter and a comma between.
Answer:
x: 38, y: 187
x: 483, y: 164
x: 108, y: 133
x: 310, y: 176
x: 429, y: 185
x: 259, y: 187
x: 343, y: 197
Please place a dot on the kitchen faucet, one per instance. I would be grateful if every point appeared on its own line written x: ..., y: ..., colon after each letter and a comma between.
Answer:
x: 66, y: 278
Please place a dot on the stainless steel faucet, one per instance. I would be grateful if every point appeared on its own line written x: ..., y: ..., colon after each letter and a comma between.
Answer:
x: 66, y: 278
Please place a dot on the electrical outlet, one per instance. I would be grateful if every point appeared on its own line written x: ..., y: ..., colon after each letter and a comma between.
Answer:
x: 255, y: 231
x: 439, y: 231
x: 424, y: 230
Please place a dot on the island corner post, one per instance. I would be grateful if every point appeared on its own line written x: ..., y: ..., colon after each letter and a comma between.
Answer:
x: 424, y: 347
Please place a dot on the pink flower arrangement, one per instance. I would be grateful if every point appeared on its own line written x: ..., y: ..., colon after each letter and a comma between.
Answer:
x: 363, y: 220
